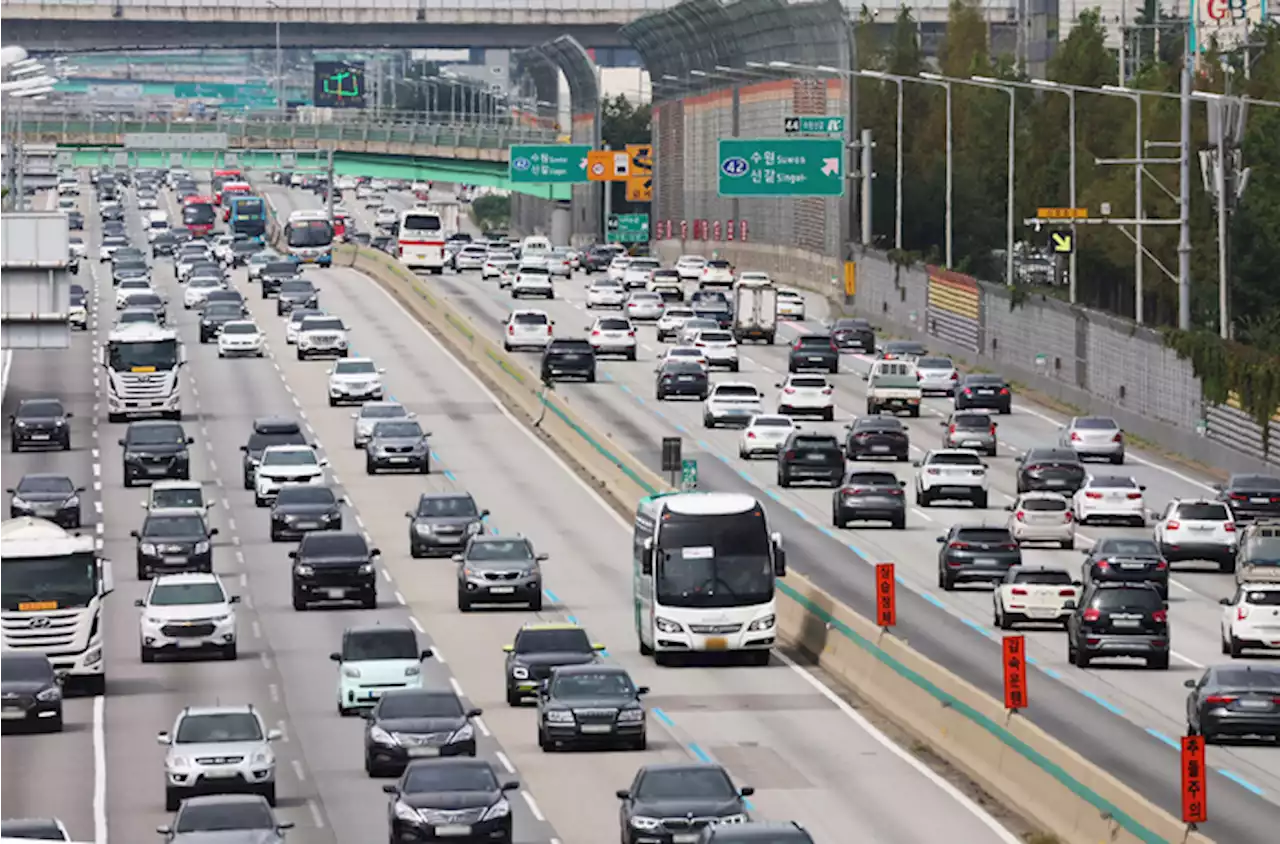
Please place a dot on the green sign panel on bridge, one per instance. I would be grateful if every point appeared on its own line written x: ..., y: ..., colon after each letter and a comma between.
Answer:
x: 820, y: 125
x: 549, y: 163
x: 784, y: 167
x: 628, y: 228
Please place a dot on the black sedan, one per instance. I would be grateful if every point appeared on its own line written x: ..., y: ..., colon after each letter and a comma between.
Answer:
x: 76, y: 220
x: 1050, y: 470
x: 301, y: 508
x: 854, y: 334
x: 1120, y: 559
x: 30, y: 692
x: 984, y: 392
x: 47, y: 496
x: 39, y: 423
x: 870, y: 496
x: 665, y: 801
x: 275, y: 274
x: 174, y: 543
x: 591, y: 705
x: 166, y: 243
x: 456, y: 798
x: 976, y: 553
x: 296, y: 293
x: 216, y: 315
x: 408, y: 724
x: 877, y: 437
x: 1251, y: 496
x: 443, y: 523
x: 682, y: 378
x: 1236, y: 701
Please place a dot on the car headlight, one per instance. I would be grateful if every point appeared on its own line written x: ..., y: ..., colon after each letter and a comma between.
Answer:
x: 263, y: 759
x: 381, y: 736
x: 178, y: 762
x: 93, y: 657
x: 367, y: 568
x: 424, y: 529
x: 219, y: 619
x: 412, y: 671
x: 520, y: 672
x: 630, y: 716
x: 667, y: 626
x: 305, y: 571
x: 498, y: 810
x: 762, y: 623
x: 407, y: 813
x: 18, y: 502
x: 645, y: 823
x: 147, y: 548
x: 738, y: 818
x: 21, y: 424
x: 50, y: 694
x: 348, y: 671
x: 474, y: 527
x: 59, y: 423
x: 464, y: 733
x: 151, y: 619
x: 202, y: 547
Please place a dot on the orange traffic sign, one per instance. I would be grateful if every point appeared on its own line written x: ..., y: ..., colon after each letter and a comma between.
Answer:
x: 1195, y: 803
x: 605, y: 165
x: 886, y: 596
x: 640, y: 189
x: 1062, y: 213
x: 1015, y: 672
x: 641, y: 158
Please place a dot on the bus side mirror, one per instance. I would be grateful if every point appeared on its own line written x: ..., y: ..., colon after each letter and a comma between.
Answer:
x: 779, y: 556
x: 646, y: 565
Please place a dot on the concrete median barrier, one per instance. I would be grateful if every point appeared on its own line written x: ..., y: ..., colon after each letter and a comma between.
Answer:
x: 1018, y: 763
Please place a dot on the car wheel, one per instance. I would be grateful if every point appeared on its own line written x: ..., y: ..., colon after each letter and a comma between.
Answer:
x: 980, y: 501
x: 1234, y: 648
x: 269, y: 793
x: 900, y: 523
x: 464, y: 604
x: 148, y: 655
x: 228, y: 652
x: 299, y: 601
x: 370, y: 601
x: 369, y: 468
x: 1082, y: 659
x: 1159, y: 663
x: 513, y: 698
x: 172, y: 799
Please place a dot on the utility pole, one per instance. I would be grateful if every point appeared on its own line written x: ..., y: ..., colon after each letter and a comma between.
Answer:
x: 867, y: 175
x: 1225, y: 180
x: 1184, y: 191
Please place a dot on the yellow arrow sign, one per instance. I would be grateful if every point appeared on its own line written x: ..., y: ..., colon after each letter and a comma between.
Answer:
x: 1064, y: 243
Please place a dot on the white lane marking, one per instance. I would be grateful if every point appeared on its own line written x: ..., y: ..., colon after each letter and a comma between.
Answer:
x: 257, y: 630
x: 457, y: 687
x: 386, y: 575
x: 316, y: 817
x: 884, y: 741
x: 284, y: 730
x: 922, y: 514
x: 298, y: 771
x: 399, y: 598
x: 417, y: 625
x: 482, y: 727
x: 231, y: 525
x: 506, y: 763
x: 533, y: 806
x: 244, y: 580
x: 99, y: 769
x: 94, y: 452
x: 1182, y: 658
x: 274, y: 691
x: 266, y: 660
x: 97, y: 470
x: 240, y: 557
x: 4, y: 371
x: 97, y: 507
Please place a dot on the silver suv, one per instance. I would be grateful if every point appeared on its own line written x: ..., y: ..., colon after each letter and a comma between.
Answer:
x: 218, y: 750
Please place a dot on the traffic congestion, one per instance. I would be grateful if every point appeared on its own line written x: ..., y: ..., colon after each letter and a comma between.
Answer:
x: 330, y: 591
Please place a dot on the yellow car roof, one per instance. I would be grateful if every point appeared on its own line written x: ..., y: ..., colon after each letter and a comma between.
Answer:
x: 552, y: 626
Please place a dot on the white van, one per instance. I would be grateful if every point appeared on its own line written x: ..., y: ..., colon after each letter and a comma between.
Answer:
x: 157, y: 223
x: 534, y: 248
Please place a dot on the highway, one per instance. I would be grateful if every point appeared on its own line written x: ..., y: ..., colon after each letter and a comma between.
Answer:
x: 811, y: 757
x: 1128, y: 719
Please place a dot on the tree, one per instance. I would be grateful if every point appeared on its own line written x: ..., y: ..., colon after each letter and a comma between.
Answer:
x: 625, y: 123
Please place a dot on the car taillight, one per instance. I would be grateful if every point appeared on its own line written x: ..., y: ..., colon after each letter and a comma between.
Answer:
x: 826, y: 391
x: 951, y: 429
x: 1020, y: 516
x: 1092, y: 615
x: 919, y: 377
x: 852, y: 490
x: 511, y: 329
x: 1066, y: 517
x: 1075, y: 438
x: 1161, y: 565
x: 700, y: 344
x: 1103, y: 565
x: 1016, y: 591
x: 790, y: 455
x: 1236, y: 496
x: 1172, y: 525
x: 1221, y: 699
x: 631, y: 333
x: 1118, y: 438
x: 1009, y: 546
x: 1004, y: 391
x: 1134, y: 496
x: 968, y: 391
x: 958, y: 546
x: 993, y: 429
x: 788, y: 390
x: 1066, y: 593
x: 548, y: 330
x: 751, y: 435
x: 1093, y: 495
x: 1229, y: 527
x: 595, y: 333
x: 955, y: 376
x: 1242, y: 613
x: 1160, y: 617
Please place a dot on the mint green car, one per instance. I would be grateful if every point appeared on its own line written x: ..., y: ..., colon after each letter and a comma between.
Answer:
x: 374, y: 660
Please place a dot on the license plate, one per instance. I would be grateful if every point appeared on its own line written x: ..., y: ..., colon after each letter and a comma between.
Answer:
x: 686, y: 377
x: 501, y: 590
x: 1260, y: 500
x: 597, y: 728
x: 12, y: 714
x: 1254, y: 704
x: 684, y: 838
x: 970, y: 444
x: 39, y: 436
x: 174, y: 561
x: 1133, y: 566
x: 986, y: 392
x: 455, y: 830
x: 418, y: 752
x: 335, y: 593
x: 815, y: 360
x: 189, y: 644
x: 219, y: 774
x: 1055, y: 482
x: 717, y: 644
x: 880, y: 449
x: 1124, y: 622
x: 308, y: 525
x: 399, y: 460
x: 815, y: 458
x: 984, y: 561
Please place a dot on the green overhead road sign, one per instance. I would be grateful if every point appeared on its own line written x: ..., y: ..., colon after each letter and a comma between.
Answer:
x: 811, y: 125
x: 628, y: 228
x: 549, y: 163
x: 781, y: 167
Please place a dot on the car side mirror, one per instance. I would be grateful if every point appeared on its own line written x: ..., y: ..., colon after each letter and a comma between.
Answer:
x: 1226, y: 602
x: 864, y: 376
x: 746, y: 791
x: 508, y: 648
x: 366, y: 714
x: 1009, y: 508
x: 283, y: 825
x: 355, y: 416
x: 390, y: 788
x: 213, y: 532
x: 542, y: 557
x: 408, y: 514
x: 163, y: 738
x: 293, y: 555
x: 375, y: 552
x: 1164, y: 605
x: 623, y: 794
x: 940, y: 539
x: 1142, y: 489
x: 164, y: 829
x: 1190, y: 684
x: 474, y: 713
x: 641, y: 691
x: 245, y: 448
x: 1218, y: 487
x: 902, y: 484
x: 119, y: 442
x: 274, y: 735
x: 134, y: 534
x: 191, y: 440
x: 425, y: 653
x: 382, y: 371
x: 1068, y: 604
x: 457, y: 558
x: 915, y: 463
x: 138, y: 602
x: 335, y: 657
x: 510, y: 785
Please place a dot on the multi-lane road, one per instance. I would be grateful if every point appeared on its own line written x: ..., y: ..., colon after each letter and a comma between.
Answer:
x: 811, y: 757
x: 1122, y: 716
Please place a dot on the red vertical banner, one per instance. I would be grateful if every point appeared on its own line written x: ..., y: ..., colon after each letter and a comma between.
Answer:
x: 886, y: 596
x: 1195, y: 802
x: 742, y: 230
x: 1015, y: 672
x: 706, y: 230
x: 728, y: 230
x: 715, y: 230
x: 684, y: 229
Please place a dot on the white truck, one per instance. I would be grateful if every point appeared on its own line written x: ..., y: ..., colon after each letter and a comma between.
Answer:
x: 142, y: 362
x: 52, y: 586
x: 448, y: 213
x: 893, y: 385
x: 755, y: 312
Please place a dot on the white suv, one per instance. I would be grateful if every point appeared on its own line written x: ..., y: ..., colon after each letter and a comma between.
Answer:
x: 672, y: 321
x: 527, y: 330
x: 1043, y: 517
x: 355, y: 380
x: 1197, y: 529
x: 1251, y: 619
x: 532, y: 280
x: 240, y: 337
x: 286, y: 464
x: 613, y: 336
x: 735, y: 402
x: 690, y: 267
x: 187, y: 613
x: 951, y: 474
x: 321, y: 335
x: 811, y: 394
x: 604, y: 293
x: 719, y: 347
x: 218, y: 750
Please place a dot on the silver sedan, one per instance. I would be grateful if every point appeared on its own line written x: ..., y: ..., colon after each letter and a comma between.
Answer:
x: 1094, y: 436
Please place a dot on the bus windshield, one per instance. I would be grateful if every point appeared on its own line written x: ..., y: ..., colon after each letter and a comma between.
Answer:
x: 198, y: 214
x: 161, y: 355
x: 310, y: 233
x: 714, y: 560
x: 421, y: 223
x: 248, y: 209
x: 69, y: 581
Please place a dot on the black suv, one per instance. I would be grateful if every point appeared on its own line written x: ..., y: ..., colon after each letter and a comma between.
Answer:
x: 1050, y: 470
x: 569, y: 359
x: 814, y: 351
x: 810, y: 457
x: 1122, y: 559
x: 681, y: 378
x: 216, y: 315
x: 41, y: 423
x: 539, y: 648
x: 1251, y: 497
x: 1119, y: 620
x: 275, y: 274
x: 155, y: 449
x: 332, y: 565
x: 976, y: 553
x: 984, y: 392
x: 593, y: 705
x: 854, y: 334
x: 443, y: 521
x: 879, y: 437
x: 867, y: 496
x: 408, y: 723
x: 598, y: 258
x: 174, y: 542
x: 302, y: 508
x: 267, y: 431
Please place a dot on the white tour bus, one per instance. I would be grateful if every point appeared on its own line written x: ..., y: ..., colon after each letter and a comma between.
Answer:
x: 309, y: 237
x: 704, y: 565
x: 421, y: 240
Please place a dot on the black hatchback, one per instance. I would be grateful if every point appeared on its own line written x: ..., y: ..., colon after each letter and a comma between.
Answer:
x: 854, y: 334
x: 1251, y: 497
x: 1119, y: 620
x: 1236, y: 701
x: 569, y: 359
x: 814, y: 351
x: 984, y: 392
x: 1122, y: 559
x: 1050, y: 470
x: 976, y: 553
x: 681, y: 378
x: 156, y: 449
x: 810, y: 457
x: 877, y: 437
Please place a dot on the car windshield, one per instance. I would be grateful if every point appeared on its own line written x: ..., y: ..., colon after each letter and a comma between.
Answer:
x: 165, y: 498
x: 259, y: 442
x: 685, y: 784
x: 40, y: 409
x: 144, y: 300
x: 289, y: 457
x: 1096, y: 423
x: 1047, y: 578
x: 1259, y: 549
x: 971, y: 421
x: 322, y: 324
x: 432, y: 778
x: 575, y: 347
x: 383, y: 411
x: 31, y: 830
x: 391, y: 643
x: 984, y: 535
x: 297, y: 315
x: 737, y: 391
x: 297, y: 287
x: 306, y: 494
x: 534, y: 269
x: 355, y: 367
x: 720, y: 337
x: 1254, y: 677
x: 872, y: 423
x: 553, y: 640
x: 173, y: 526
x: 772, y: 422
x: 682, y: 367
x: 871, y: 479
x: 155, y: 435
x: 456, y: 506
x: 1045, y: 505
x: 398, y: 430
x: 182, y: 594
x: 581, y: 684
x: 499, y: 549
x: 1127, y: 547
x: 985, y: 380
x: 935, y: 363
x: 530, y: 319
x: 280, y: 268
x: 954, y: 459
x: 815, y: 340
x: 23, y: 669
x: 1117, y: 599
x: 199, y: 281
x: 420, y: 705
x: 1113, y: 482
x: 1258, y: 482
x: 223, y: 816
x: 219, y: 727
x: 808, y: 381
x: 1206, y: 512
x: 130, y: 316
x: 45, y: 484
x: 240, y: 328
x: 614, y: 325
